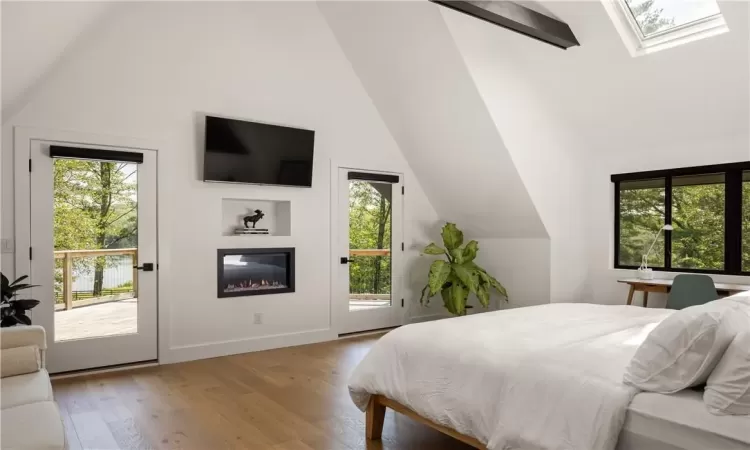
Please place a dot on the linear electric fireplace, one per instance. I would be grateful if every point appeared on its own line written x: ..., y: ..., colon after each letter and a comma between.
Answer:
x: 255, y: 271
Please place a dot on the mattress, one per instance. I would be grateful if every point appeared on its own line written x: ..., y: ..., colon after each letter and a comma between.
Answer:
x: 680, y: 422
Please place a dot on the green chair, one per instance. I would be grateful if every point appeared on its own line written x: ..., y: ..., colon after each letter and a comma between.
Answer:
x: 691, y: 290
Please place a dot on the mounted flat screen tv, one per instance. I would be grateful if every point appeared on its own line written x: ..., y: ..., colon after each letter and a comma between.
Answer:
x: 237, y: 151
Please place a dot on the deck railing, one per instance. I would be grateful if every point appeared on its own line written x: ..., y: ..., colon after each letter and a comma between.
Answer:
x: 67, y: 267
x: 370, y: 252
x: 363, y: 285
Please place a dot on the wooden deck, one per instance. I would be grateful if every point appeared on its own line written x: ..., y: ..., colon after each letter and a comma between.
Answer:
x: 103, y: 319
x: 356, y: 304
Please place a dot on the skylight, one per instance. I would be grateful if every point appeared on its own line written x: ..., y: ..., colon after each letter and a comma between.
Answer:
x: 658, y: 16
x: 647, y: 26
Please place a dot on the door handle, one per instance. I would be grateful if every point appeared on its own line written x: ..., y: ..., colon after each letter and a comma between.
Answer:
x: 345, y: 260
x: 146, y: 267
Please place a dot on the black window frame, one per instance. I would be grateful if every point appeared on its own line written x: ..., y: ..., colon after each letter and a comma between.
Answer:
x: 733, y: 179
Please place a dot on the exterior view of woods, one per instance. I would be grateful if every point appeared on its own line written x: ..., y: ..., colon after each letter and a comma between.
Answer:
x: 95, y: 208
x: 650, y: 18
x: 746, y: 224
x: 658, y: 16
x: 698, y: 218
x: 370, y: 229
x: 641, y: 215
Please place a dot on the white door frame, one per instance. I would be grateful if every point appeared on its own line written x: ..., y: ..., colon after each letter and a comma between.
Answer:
x: 337, y: 320
x: 22, y: 141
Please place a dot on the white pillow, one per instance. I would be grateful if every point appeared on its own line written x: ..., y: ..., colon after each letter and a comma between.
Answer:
x: 728, y: 387
x: 683, y: 350
x: 19, y: 360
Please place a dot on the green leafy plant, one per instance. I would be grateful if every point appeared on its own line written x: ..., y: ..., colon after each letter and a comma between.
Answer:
x: 13, y: 311
x: 459, y: 276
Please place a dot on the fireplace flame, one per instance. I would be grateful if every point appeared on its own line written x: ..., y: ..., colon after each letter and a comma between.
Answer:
x: 249, y: 284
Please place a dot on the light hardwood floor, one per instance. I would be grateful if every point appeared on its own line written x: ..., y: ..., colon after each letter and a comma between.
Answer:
x: 287, y: 399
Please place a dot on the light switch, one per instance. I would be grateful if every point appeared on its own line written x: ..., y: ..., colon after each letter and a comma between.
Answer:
x: 6, y: 245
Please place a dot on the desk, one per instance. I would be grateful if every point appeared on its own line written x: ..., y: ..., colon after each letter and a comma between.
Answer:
x: 663, y: 286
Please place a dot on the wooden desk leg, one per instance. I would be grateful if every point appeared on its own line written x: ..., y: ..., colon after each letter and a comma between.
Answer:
x: 645, y: 299
x: 375, y: 417
x: 630, y: 294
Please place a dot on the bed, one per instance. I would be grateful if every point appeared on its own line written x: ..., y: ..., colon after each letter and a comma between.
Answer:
x: 545, y: 377
x: 680, y: 422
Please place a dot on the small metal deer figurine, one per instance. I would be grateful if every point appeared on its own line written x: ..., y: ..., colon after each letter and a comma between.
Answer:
x: 254, y: 218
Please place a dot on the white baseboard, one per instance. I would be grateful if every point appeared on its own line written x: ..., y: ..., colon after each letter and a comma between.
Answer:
x: 233, y: 347
x: 87, y: 372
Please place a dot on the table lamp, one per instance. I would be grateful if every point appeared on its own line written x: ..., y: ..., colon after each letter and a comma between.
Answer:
x: 644, y: 272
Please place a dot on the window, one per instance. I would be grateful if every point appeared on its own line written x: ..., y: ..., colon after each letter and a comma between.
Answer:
x: 641, y: 215
x: 698, y: 221
x: 707, y: 207
x: 658, y: 16
x: 647, y: 26
x: 746, y: 222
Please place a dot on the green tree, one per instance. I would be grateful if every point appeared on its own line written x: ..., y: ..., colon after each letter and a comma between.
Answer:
x: 383, y: 220
x: 698, y: 220
x: 649, y: 18
x: 641, y: 216
x: 746, y: 226
x: 95, y: 208
x: 370, y: 211
x: 697, y: 217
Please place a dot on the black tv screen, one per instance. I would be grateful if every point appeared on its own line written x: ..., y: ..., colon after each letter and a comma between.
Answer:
x: 249, y: 152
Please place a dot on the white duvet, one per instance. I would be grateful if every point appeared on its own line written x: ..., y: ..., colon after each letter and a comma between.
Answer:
x: 544, y: 377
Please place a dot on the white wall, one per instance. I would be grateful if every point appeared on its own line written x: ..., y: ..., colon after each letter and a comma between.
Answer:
x: 151, y: 73
x: 541, y: 147
x: 31, y: 53
x: 522, y: 266
x: 572, y: 118
x: 413, y: 71
x: 603, y: 276
x: 685, y: 106
x: 510, y: 138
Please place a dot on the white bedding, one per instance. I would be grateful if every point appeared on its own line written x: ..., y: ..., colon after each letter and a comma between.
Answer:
x: 544, y: 377
x: 680, y: 421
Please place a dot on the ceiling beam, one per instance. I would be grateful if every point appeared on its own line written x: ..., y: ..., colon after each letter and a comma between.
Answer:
x: 517, y: 18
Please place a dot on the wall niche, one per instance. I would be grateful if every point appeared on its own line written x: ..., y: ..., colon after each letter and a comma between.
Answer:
x: 277, y: 216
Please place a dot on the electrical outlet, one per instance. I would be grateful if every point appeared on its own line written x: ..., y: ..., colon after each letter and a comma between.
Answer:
x: 258, y: 319
x: 6, y: 246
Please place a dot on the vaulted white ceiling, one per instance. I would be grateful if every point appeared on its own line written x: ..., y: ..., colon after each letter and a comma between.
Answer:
x: 412, y: 69
x: 695, y: 91
x: 558, y: 110
x: 483, y: 115
x: 28, y: 54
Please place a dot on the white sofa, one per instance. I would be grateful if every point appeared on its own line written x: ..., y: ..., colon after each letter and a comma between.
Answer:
x: 29, y: 418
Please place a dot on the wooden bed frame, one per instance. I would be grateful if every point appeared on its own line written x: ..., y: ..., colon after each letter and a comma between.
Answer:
x: 375, y: 417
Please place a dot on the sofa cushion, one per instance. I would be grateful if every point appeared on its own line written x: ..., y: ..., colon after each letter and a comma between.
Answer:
x: 25, y: 389
x: 19, y: 361
x: 36, y: 426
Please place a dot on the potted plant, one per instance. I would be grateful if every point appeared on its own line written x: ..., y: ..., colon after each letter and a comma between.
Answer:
x: 458, y: 275
x: 12, y: 310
